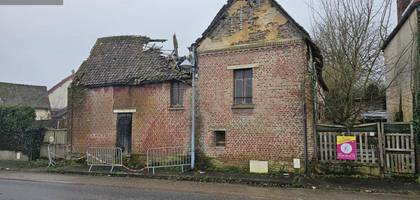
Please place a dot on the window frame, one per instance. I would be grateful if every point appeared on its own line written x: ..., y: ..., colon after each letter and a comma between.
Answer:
x: 178, y: 101
x: 245, y: 100
x: 217, y: 143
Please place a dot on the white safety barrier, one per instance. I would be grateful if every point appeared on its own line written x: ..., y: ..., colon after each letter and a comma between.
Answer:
x: 104, y: 157
x: 165, y: 157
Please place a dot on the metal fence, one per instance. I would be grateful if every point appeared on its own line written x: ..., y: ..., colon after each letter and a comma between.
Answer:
x: 104, y: 157
x: 165, y: 157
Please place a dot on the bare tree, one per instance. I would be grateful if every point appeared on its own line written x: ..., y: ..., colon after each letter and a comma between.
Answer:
x: 350, y: 34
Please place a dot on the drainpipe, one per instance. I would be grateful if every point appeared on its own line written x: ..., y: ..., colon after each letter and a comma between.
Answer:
x: 193, y: 72
x: 305, y: 142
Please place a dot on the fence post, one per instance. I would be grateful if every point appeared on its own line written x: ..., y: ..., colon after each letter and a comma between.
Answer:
x: 413, y: 145
x: 380, y: 132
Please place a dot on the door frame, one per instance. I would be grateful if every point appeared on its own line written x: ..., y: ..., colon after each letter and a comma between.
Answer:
x: 125, y: 112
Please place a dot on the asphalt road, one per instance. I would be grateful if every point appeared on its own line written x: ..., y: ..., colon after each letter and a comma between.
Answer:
x: 21, y: 190
x: 34, y: 186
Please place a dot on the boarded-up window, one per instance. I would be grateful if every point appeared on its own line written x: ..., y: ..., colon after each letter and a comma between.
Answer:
x: 177, y: 94
x: 243, y: 86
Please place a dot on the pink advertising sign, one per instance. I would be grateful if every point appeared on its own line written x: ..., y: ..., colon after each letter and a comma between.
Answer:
x: 346, y: 148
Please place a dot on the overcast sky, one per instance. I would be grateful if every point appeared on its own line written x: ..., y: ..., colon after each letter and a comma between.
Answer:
x: 41, y: 45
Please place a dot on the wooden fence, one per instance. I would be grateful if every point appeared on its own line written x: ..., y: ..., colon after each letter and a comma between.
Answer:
x: 390, y: 146
x: 366, y: 152
x: 58, y: 145
x: 399, y: 148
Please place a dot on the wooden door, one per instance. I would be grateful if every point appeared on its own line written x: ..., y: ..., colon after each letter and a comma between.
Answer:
x: 124, y: 128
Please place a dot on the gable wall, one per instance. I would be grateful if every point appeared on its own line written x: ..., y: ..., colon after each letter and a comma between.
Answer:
x: 273, y: 130
x: 58, y: 97
x: 244, y: 24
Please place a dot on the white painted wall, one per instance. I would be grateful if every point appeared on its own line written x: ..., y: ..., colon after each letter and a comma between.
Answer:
x: 400, y: 61
x: 58, y: 97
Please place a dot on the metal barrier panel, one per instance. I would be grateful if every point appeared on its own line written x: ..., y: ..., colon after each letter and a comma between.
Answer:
x: 168, y: 157
x: 107, y: 157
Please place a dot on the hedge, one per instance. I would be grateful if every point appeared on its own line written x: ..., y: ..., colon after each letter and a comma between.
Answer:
x: 19, y: 132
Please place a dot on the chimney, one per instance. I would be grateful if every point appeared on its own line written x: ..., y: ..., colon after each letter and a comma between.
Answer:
x: 401, y: 7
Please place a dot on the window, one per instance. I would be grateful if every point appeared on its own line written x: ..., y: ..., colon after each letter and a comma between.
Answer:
x: 220, y: 138
x: 243, y: 86
x: 177, y: 94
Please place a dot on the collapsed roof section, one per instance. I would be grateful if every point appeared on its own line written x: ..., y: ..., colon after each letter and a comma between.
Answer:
x: 126, y: 61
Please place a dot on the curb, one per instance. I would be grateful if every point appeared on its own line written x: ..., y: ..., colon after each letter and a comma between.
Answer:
x: 192, y: 178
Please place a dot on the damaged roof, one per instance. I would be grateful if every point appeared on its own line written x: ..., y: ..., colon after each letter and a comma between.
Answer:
x: 124, y: 61
x: 29, y: 95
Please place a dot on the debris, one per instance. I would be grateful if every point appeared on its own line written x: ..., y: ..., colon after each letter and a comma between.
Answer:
x: 313, y: 187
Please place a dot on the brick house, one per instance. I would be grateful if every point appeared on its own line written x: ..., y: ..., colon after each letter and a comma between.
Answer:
x: 121, y: 96
x: 401, y: 62
x: 255, y: 80
x: 259, y: 78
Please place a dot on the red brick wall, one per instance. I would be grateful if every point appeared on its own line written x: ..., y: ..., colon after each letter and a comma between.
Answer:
x: 274, y: 129
x: 154, y: 123
x: 92, y: 122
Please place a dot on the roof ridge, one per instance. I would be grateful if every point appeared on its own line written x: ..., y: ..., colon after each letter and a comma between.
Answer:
x: 22, y: 84
x: 124, y: 37
x: 60, y: 83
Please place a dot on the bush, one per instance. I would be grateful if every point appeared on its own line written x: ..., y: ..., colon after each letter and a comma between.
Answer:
x: 18, y: 131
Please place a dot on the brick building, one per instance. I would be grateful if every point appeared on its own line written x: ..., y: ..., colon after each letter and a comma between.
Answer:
x: 259, y: 74
x: 255, y: 79
x: 121, y: 96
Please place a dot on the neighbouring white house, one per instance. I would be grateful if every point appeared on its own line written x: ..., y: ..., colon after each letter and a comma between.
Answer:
x: 58, y: 94
x: 58, y: 100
